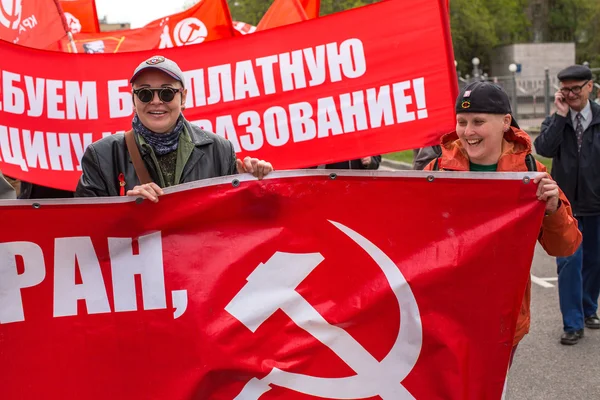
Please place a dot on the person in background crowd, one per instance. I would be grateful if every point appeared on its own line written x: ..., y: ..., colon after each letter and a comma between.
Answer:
x: 32, y: 191
x: 163, y: 149
x: 570, y: 137
x: 7, y: 192
x: 15, y: 183
x: 425, y: 155
x: 362, y: 163
x: 488, y: 139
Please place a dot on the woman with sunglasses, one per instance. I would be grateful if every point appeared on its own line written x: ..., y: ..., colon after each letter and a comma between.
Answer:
x: 163, y: 149
x: 571, y: 137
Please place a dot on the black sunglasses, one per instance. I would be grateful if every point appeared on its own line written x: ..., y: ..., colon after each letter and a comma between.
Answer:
x: 575, y: 89
x: 166, y: 95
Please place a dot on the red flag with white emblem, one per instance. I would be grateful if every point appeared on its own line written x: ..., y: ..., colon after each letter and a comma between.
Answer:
x: 32, y: 23
x: 302, y: 286
x: 81, y: 15
x: 206, y: 21
x: 243, y: 27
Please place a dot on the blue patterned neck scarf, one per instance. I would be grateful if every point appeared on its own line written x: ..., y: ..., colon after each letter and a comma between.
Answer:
x: 161, y: 143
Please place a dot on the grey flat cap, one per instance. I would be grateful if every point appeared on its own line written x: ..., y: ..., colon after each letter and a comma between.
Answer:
x: 163, y: 64
x: 575, y: 73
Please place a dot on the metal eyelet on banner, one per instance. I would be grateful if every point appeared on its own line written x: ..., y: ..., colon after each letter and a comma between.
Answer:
x: 235, y: 183
x: 36, y: 205
x: 526, y: 180
x: 332, y: 176
x: 430, y: 178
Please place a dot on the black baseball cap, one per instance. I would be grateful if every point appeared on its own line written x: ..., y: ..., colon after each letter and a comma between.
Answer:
x: 485, y: 98
x: 575, y: 73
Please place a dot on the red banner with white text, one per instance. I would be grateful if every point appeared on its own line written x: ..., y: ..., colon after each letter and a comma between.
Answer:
x: 295, y: 287
x: 297, y: 96
x: 33, y: 23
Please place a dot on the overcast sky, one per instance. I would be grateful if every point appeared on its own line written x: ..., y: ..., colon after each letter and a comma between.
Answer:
x: 137, y: 12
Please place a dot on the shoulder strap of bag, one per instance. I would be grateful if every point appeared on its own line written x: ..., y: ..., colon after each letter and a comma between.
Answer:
x: 436, y: 165
x: 530, y: 162
x: 138, y: 164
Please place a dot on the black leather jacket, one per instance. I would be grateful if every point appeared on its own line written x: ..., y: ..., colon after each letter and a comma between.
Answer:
x: 106, y: 159
x: 577, y: 173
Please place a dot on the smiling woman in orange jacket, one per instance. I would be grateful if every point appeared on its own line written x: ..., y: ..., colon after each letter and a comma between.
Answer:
x: 487, y: 138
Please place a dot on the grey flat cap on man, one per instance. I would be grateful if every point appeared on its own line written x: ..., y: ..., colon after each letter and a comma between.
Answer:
x: 575, y: 73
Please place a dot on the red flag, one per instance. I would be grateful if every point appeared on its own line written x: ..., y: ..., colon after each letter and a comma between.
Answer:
x: 126, y: 40
x: 32, y: 23
x: 282, y: 12
x: 311, y: 7
x: 243, y: 27
x: 206, y: 21
x: 273, y: 289
x: 81, y: 15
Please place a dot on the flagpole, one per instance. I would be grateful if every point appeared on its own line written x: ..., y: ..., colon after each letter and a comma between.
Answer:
x: 67, y: 29
x: 72, y: 42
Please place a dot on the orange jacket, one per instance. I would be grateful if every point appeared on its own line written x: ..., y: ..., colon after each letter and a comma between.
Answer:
x: 559, y: 235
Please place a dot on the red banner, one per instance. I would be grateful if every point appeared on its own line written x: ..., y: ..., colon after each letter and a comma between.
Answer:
x: 81, y: 15
x: 282, y: 12
x: 206, y: 21
x: 274, y: 289
x: 298, y: 96
x: 31, y: 23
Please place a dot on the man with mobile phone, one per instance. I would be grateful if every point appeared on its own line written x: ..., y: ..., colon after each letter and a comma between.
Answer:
x: 571, y: 137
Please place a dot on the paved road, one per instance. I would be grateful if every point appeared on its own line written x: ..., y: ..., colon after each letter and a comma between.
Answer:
x: 543, y: 368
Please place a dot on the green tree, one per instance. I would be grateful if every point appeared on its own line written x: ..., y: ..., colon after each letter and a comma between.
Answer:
x: 510, y: 20
x: 333, y: 6
x: 249, y: 11
x: 565, y: 18
x: 473, y: 33
x: 588, y: 49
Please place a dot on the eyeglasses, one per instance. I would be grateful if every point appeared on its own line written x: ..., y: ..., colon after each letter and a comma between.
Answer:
x: 575, y: 89
x: 166, y: 95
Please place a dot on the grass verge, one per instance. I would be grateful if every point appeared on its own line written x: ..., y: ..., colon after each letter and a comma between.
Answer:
x: 546, y: 161
x: 402, y: 156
